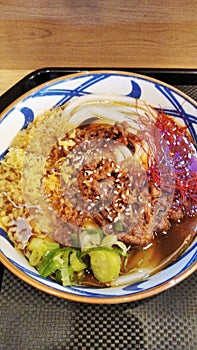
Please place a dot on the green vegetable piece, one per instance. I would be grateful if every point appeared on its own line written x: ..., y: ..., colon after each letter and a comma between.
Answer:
x: 36, y: 243
x: 105, y: 264
x: 38, y: 248
x: 123, y: 247
x: 58, y: 276
x: 109, y: 241
x: 35, y: 257
x: 66, y: 270
x: 118, y: 226
x: 48, y: 264
x: 65, y: 275
x: 90, y: 237
x: 57, y: 261
x: 76, y: 263
x: 75, y: 239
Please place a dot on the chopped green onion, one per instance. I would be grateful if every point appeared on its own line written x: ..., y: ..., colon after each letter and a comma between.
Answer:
x: 109, y: 241
x: 38, y: 248
x: 123, y: 247
x: 90, y: 237
x: 76, y: 263
x: 75, y: 239
x: 118, y: 226
x: 48, y: 266
x: 66, y: 270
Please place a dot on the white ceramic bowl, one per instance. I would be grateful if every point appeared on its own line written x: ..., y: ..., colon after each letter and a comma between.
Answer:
x: 58, y: 92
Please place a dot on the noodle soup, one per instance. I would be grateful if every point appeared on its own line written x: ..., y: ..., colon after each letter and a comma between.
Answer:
x: 109, y: 198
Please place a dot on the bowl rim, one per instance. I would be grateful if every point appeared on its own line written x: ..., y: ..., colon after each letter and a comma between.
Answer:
x: 80, y: 298
x: 93, y: 72
x: 101, y: 300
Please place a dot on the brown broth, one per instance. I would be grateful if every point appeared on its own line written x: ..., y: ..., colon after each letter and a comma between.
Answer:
x: 165, y: 247
x: 163, y: 251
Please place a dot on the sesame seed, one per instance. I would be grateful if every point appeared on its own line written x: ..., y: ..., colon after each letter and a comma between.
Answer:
x: 88, y: 172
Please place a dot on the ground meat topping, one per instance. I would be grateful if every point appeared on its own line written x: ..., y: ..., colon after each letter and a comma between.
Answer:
x: 92, y: 174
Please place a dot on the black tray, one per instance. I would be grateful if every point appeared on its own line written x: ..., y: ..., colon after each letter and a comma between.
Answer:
x: 169, y: 76
x: 33, y: 320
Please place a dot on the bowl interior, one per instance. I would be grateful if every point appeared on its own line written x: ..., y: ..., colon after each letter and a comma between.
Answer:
x: 103, y: 85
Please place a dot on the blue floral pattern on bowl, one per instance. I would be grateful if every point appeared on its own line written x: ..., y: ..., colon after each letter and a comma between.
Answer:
x: 58, y: 92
